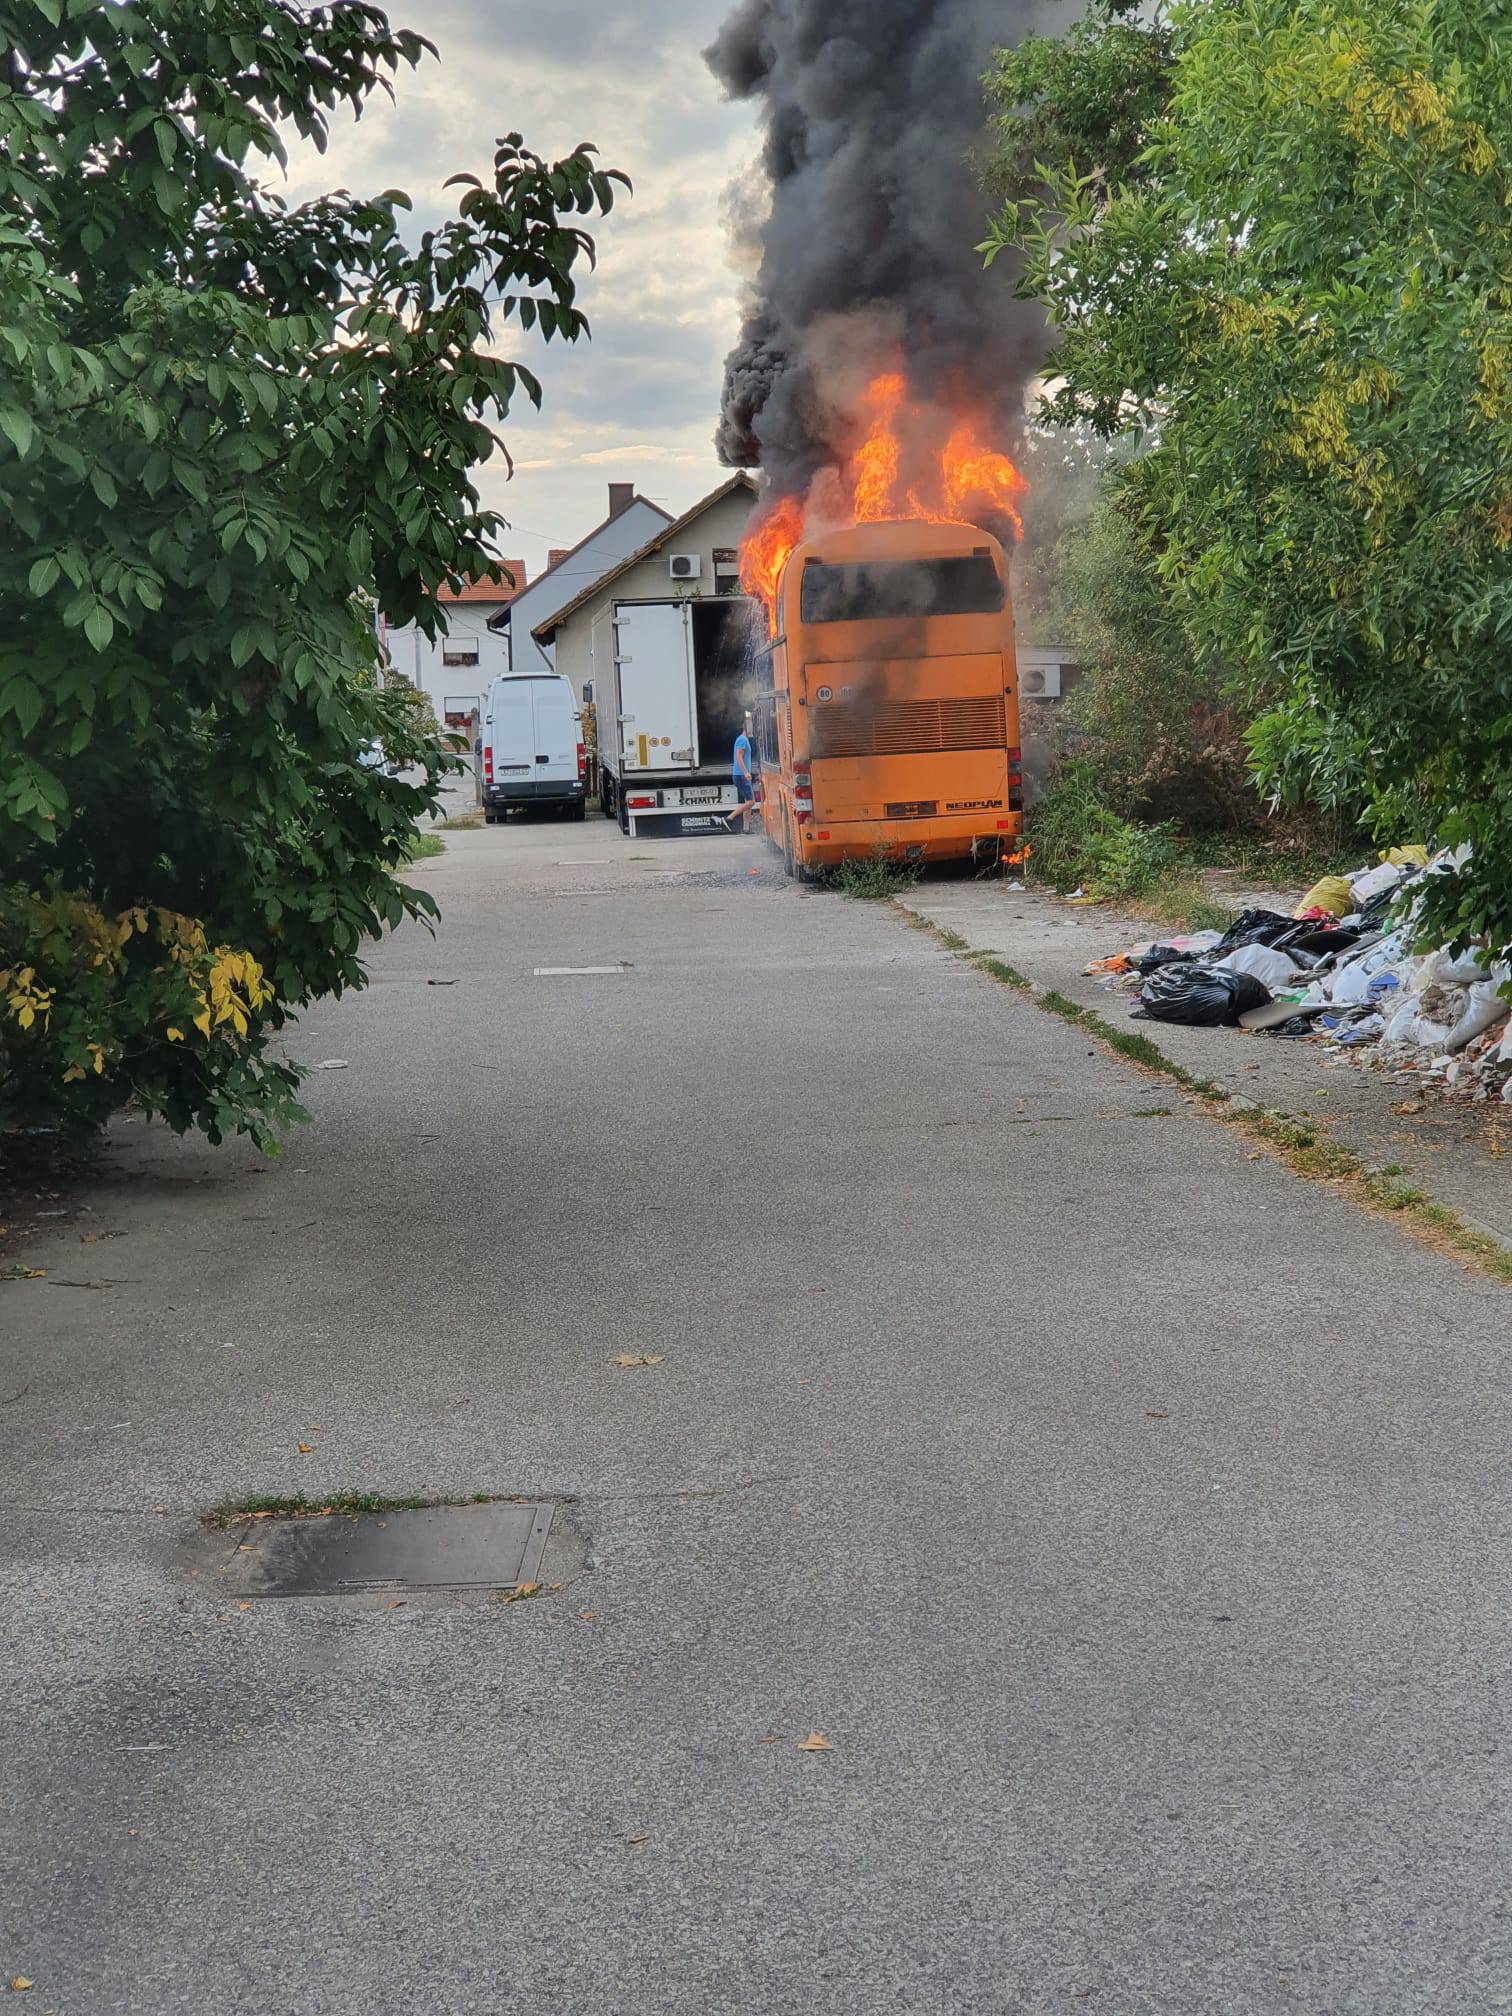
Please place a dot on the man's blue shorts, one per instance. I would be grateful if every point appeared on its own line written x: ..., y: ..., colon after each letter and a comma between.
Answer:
x: 745, y: 791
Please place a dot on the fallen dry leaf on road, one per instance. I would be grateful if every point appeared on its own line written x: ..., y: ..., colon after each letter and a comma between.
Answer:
x: 303, y: 1448
x: 23, y: 1274
x: 18, y: 1984
x: 814, y: 1741
x: 1151, y: 1415
x: 518, y: 1595
x: 636, y: 1840
x: 631, y: 1358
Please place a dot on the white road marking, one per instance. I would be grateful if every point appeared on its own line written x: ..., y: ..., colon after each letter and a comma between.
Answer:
x: 562, y: 972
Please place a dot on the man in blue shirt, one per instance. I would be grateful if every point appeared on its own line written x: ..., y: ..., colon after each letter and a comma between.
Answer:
x: 740, y: 770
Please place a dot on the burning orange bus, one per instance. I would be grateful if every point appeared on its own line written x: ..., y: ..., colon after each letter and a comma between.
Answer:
x: 891, y: 721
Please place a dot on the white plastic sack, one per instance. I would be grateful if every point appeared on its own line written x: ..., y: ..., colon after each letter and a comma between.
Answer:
x: 1410, y: 1025
x: 1483, y: 1011
x: 1459, y: 969
x: 1263, y: 963
x: 1374, y: 881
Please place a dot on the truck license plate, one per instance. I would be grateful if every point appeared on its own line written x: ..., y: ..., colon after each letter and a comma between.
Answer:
x: 700, y: 797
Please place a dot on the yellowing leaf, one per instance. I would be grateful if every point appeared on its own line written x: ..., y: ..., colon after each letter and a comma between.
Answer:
x: 18, y: 1984
x: 175, y: 1035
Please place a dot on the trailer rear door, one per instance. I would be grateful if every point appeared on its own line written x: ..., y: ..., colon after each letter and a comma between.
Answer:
x: 654, y: 658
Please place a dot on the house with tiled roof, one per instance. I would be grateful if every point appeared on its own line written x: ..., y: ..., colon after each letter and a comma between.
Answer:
x: 694, y: 555
x: 455, y: 666
x: 632, y: 521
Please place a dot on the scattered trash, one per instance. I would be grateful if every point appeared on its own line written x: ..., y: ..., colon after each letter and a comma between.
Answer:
x: 631, y: 1359
x: 1346, y: 969
x: 814, y: 1741
x: 442, y: 983
x: 330, y: 1064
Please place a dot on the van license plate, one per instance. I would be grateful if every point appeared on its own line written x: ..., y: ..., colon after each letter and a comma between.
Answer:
x: 515, y: 770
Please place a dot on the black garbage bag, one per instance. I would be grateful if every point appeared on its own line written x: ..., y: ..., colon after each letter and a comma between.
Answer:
x: 1158, y: 956
x: 1254, y: 927
x: 1199, y: 995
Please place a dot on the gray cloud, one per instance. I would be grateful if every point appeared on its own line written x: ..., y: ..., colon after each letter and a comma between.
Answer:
x: 664, y: 301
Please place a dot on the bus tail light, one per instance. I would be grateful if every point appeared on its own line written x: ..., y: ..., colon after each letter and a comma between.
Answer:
x: 803, y: 796
x: 1015, y: 780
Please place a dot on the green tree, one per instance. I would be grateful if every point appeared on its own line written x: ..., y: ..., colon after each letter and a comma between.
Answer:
x: 1087, y: 99
x: 227, y: 424
x: 1148, y: 717
x: 1306, y: 302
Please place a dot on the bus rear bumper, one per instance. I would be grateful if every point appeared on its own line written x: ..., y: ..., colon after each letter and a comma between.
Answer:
x: 826, y: 843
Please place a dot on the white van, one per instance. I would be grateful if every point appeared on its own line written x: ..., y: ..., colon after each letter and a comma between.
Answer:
x: 531, y: 746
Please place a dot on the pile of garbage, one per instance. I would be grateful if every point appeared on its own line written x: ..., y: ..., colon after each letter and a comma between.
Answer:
x: 1347, y: 968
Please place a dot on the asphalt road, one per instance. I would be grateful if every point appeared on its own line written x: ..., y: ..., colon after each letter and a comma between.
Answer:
x: 1128, y: 1515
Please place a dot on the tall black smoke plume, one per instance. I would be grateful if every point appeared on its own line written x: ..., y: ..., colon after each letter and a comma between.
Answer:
x: 872, y: 109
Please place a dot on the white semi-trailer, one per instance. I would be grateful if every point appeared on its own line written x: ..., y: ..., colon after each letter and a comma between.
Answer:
x: 671, y: 683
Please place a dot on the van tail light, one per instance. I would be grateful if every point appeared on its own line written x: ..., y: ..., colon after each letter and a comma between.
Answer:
x: 803, y: 796
x: 582, y: 761
x: 487, y: 763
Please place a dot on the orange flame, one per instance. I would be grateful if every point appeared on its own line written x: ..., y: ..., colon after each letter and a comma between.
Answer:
x: 764, y: 552
x: 967, y: 480
x: 975, y: 477
x: 874, y: 466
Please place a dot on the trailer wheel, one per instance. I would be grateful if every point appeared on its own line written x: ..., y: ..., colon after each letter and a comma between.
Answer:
x: 606, y: 794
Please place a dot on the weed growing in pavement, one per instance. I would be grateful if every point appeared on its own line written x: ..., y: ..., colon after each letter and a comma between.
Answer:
x: 1001, y: 970
x: 338, y: 1504
x: 877, y: 878
x: 424, y: 847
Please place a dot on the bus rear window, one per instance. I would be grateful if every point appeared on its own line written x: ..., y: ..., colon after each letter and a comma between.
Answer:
x: 965, y: 584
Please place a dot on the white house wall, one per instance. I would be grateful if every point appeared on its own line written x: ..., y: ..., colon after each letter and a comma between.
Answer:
x: 419, y: 659
x: 722, y: 525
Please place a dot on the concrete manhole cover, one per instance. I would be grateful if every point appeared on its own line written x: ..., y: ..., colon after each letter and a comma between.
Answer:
x: 442, y: 1547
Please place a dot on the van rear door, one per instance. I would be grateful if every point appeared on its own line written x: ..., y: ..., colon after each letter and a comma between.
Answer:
x: 556, y: 735
x: 513, y: 730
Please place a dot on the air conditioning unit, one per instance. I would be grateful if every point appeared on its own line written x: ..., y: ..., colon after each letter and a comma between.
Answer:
x: 686, y: 566
x: 1039, y: 682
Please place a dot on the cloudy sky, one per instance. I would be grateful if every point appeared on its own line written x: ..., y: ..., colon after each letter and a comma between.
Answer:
x: 639, y: 402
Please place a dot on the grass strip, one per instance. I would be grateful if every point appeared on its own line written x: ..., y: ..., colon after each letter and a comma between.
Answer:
x: 1305, y: 1147
x: 338, y: 1504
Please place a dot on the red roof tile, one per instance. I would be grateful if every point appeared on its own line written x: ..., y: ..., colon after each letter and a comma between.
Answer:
x: 488, y: 591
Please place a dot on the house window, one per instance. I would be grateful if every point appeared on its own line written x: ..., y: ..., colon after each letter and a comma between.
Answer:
x: 726, y: 571
x: 459, y: 651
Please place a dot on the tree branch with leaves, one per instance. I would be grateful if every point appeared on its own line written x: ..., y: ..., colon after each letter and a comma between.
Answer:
x: 228, y: 424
